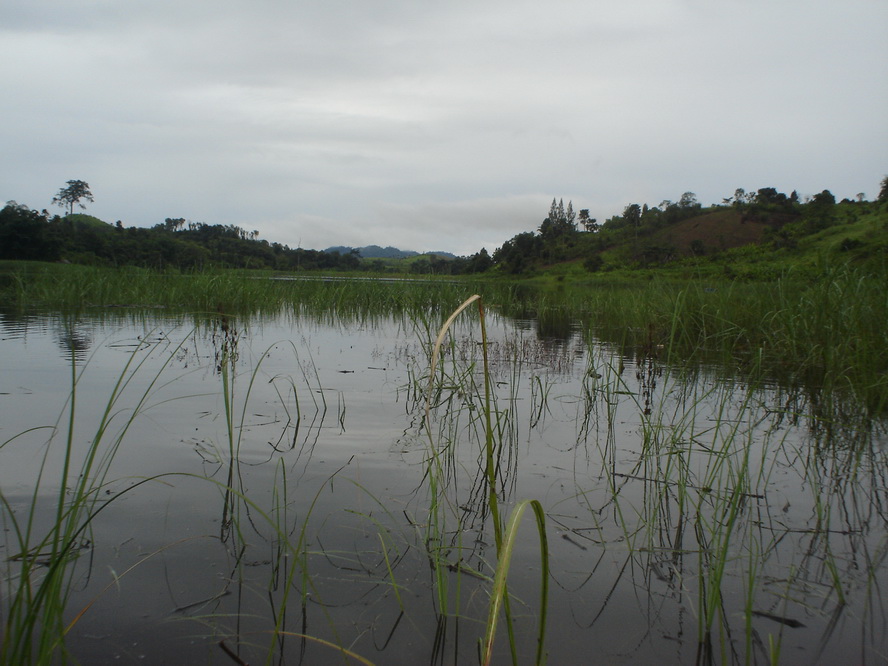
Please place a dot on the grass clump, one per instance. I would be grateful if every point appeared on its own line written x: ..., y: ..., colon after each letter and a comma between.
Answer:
x: 505, y: 536
x: 45, y: 549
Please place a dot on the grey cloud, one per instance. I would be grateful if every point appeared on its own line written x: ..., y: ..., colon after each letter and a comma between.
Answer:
x: 439, y: 126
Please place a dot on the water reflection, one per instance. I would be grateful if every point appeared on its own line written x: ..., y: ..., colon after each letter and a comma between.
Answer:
x: 73, y: 336
x: 15, y: 325
x: 551, y: 324
x: 74, y: 340
x: 691, y: 513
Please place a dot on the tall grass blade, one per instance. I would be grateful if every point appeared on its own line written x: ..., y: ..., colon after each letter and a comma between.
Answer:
x: 500, y: 592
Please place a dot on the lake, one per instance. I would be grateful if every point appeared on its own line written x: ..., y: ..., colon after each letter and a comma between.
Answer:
x: 293, y: 488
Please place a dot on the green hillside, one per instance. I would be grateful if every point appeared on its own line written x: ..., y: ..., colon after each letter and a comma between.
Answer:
x: 760, y: 236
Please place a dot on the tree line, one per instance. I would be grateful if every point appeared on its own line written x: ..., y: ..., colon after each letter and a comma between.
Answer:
x: 631, y: 236
x: 563, y: 235
x: 28, y: 234
x: 176, y: 243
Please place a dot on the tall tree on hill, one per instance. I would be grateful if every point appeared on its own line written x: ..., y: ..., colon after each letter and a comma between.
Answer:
x: 71, y: 195
x: 820, y: 211
x: 560, y: 220
x: 590, y: 224
x: 632, y: 215
x: 688, y: 200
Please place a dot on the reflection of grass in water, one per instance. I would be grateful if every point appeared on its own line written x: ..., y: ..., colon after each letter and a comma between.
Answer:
x: 240, y: 514
x: 40, y: 575
x: 705, y: 467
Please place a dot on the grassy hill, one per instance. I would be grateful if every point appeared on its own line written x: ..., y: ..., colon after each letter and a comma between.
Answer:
x: 715, y: 230
x: 748, y: 242
x: 88, y: 221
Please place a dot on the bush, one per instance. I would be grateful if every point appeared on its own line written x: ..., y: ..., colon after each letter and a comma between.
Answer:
x: 594, y: 263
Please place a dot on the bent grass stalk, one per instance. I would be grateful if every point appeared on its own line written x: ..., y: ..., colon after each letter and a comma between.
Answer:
x: 504, y: 538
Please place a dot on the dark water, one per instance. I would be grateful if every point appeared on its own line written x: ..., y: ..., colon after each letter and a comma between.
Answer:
x: 689, y: 516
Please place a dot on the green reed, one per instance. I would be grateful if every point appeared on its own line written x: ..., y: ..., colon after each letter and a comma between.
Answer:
x: 39, y: 575
x: 697, y: 494
x: 216, y: 292
x: 505, y: 536
x: 827, y: 332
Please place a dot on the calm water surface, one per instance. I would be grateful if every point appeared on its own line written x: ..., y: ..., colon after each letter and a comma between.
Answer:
x: 689, y: 517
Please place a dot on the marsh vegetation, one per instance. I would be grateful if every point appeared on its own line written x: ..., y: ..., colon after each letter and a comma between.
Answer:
x: 223, y: 468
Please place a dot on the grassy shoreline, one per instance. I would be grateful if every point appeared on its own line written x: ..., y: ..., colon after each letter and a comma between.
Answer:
x: 827, y: 333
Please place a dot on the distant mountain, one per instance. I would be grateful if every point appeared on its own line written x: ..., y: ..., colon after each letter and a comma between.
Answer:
x: 377, y: 252
x: 374, y: 252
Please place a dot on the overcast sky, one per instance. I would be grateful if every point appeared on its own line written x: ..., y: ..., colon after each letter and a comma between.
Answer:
x: 434, y: 126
